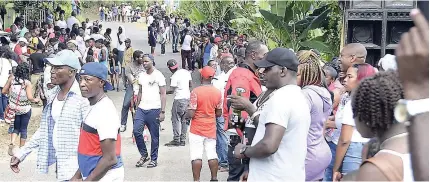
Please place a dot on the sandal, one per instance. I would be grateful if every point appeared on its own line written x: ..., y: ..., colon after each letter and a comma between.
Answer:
x: 11, y: 149
x: 142, y: 161
x: 152, y: 164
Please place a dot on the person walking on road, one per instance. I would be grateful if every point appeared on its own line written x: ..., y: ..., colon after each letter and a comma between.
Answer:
x: 132, y: 72
x: 61, y: 122
x: 181, y: 84
x: 151, y: 103
x: 175, y: 35
x: 99, y: 149
x: 205, y: 106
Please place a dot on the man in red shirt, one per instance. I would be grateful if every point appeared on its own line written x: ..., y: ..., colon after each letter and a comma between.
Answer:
x: 244, y: 76
x: 205, y: 106
x: 22, y: 42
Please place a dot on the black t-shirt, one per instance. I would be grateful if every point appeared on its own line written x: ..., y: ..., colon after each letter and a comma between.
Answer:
x: 37, y: 62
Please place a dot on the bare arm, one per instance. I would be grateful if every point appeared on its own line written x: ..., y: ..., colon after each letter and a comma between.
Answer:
x: 269, y: 144
x: 163, y: 98
x: 29, y: 92
x: 342, y: 145
x: 6, y: 87
x: 139, y: 95
x: 419, y: 146
x: 106, y: 162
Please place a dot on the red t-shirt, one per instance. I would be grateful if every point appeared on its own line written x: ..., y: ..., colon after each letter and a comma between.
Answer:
x: 18, y: 52
x: 205, y: 100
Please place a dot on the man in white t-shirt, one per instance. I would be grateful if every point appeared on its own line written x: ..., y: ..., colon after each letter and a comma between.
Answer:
x: 61, y: 22
x: 99, y: 149
x: 181, y: 83
x: 278, y: 150
x: 227, y: 66
x: 72, y: 20
x: 151, y: 102
x: 186, y: 51
x: 150, y: 19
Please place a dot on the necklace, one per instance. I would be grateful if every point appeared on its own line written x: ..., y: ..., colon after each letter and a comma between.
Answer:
x: 393, y: 137
x: 91, y: 108
x: 264, y: 98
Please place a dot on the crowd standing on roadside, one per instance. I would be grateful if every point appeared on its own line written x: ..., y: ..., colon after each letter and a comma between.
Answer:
x: 259, y: 114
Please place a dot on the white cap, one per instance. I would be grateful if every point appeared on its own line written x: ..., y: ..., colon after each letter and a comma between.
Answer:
x: 388, y: 62
x: 73, y: 42
x: 22, y: 39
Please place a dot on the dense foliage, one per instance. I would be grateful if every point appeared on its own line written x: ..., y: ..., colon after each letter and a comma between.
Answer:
x: 294, y: 24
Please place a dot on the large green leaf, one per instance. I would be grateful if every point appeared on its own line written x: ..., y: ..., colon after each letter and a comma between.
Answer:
x: 276, y: 21
x: 316, y: 44
x: 315, y: 23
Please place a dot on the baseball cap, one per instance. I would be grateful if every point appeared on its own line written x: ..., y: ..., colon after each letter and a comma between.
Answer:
x: 281, y: 57
x: 73, y: 42
x: 97, y: 70
x: 22, y: 39
x: 172, y: 64
x: 65, y: 58
x: 207, y: 72
x: 217, y: 39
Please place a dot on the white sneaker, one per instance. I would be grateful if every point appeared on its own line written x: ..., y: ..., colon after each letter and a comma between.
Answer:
x: 122, y: 128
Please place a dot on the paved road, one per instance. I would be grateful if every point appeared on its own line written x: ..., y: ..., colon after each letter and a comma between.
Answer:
x: 173, y: 163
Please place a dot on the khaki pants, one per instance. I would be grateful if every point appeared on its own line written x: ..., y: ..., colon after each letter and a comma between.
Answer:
x: 34, y: 78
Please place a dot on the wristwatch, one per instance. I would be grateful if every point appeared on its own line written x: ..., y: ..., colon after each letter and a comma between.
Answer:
x: 242, y: 151
x: 406, y: 109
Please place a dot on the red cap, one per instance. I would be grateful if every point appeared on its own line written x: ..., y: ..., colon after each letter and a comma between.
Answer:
x: 226, y: 55
x: 207, y: 72
x: 217, y: 39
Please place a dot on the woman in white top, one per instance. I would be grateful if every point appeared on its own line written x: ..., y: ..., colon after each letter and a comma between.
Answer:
x: 20, y: 92
x: 373, y: 107
x: 350, y: 145
x: 186, y: 50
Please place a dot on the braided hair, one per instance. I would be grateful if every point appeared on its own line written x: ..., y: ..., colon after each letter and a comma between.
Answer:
x: 310, y: 69
x: 374, y: 101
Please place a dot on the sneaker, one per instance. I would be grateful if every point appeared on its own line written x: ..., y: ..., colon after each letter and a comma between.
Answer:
x: 152, y: 164
x: 182, y: 143
x: 172, y: 143
x: 163, y: 54
x: 223, y: 169
x: 122, y: 128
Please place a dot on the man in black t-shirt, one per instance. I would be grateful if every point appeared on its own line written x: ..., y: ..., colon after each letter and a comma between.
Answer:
x: 37, y: 59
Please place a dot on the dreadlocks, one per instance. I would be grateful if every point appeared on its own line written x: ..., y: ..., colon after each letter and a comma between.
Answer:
x: 310, y: 69
x: 375, y: 99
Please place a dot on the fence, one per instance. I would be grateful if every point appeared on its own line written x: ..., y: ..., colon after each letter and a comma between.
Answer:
x: 36, y: 14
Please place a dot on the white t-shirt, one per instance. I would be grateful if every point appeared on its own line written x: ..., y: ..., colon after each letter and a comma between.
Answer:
x: 348, y: 119
x: 288, y: 162
x: 70, y: 21
x: 121, y: 47
x: 5, y: 67
x: 103, y: 117
x: 181, y: 80
x: 97, y: 36
x: 61, y: 24
x: 186, y: 45
x: 151, y: 89
x: 150, y: 19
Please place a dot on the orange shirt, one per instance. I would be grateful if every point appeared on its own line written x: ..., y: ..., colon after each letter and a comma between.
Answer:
x: 205, y: 99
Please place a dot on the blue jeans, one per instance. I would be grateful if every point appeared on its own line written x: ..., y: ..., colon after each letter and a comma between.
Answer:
x: 126, y: 104
x: 221, y: 142
x: 3, y: 104
x: 351, y: 161
x: 21, y: 123
x: 175, y: 43
x: 150, y: 119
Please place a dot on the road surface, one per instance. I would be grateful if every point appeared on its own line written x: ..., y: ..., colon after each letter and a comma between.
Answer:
x: 173, y: 162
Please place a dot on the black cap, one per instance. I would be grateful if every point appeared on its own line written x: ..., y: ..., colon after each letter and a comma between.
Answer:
x: 172, y: 64
x: 281, y: 57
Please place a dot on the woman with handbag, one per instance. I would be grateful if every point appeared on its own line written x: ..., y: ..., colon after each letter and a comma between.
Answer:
x: 18, y: 112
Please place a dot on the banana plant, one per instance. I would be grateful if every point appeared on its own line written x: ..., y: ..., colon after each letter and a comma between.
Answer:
x: 293, y: 21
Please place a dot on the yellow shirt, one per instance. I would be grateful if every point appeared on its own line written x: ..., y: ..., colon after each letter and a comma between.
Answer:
x: 33, y: 43
x: 128, y: 57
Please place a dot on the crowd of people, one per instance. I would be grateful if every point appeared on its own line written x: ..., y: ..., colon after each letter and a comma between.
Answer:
x: 259, y: 115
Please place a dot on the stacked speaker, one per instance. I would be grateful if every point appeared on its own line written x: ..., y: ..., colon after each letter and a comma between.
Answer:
x: 378, y: 25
